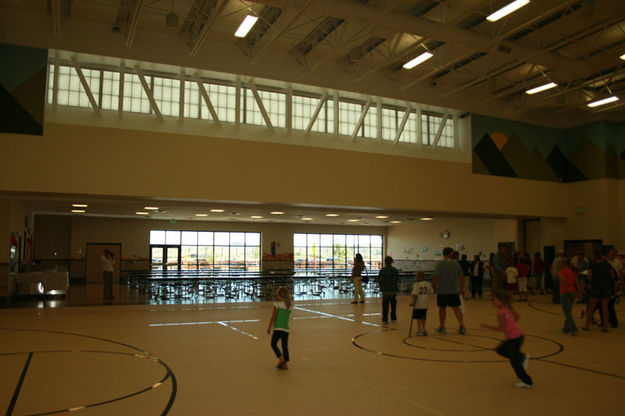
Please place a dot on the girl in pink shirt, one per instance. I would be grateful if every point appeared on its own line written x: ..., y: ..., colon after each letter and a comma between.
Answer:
x: 511, y: 347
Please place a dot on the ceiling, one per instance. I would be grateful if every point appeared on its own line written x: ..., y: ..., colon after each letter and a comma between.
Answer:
x: 360, y: 46
x: 185, y: 210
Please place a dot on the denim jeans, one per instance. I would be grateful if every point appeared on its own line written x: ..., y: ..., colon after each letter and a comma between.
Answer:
x: 386, y: 300
x: 567, y: 299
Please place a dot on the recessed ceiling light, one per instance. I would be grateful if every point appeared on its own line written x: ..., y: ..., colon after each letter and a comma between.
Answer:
x: 418, y: 60
x: 78, y: 211
x: 201, y: 215
x: 506, y: 10
x: 541, y: 88
x: 353, y: 220
x: 395, y: 222
x: 245, y: 26
x: 142, y: 213
x: 332, y: 215
x: 217, y: 210
x: 256, y: 217
x: 151, y: 208
x: 604, y: 101
x: 382, y: 216
x: 277, y: 212
x: 426, y: 219
x: 80, y: 205
x: 306, y: 219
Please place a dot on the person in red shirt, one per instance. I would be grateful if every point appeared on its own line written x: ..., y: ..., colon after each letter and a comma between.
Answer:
x: 523, y: 268
x: 569, y: 289
x: 538, y: 272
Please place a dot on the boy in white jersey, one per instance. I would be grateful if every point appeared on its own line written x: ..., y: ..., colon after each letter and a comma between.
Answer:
x: 420, y: 292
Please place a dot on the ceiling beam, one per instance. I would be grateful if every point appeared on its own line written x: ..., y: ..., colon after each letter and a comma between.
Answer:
x: 208, y: 24
x: 134, y: 21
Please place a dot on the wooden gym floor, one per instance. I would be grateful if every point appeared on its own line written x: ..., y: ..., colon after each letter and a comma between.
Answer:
x: 216, y: 359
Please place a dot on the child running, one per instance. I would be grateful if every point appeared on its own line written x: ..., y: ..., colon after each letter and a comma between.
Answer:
x: 511, y: 347
x: 420, y: 292
x: 280, y: 323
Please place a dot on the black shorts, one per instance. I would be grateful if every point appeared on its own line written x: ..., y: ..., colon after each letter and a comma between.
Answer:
x: 448, y: 300
x: 419, y: 313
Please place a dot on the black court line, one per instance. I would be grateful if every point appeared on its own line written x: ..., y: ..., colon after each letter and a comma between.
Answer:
x: 169, y: 374
x: 531, y: 304
x: 447, y: 339
x: 356, y: 344
x: 16, y: 393
x: 590, y: 370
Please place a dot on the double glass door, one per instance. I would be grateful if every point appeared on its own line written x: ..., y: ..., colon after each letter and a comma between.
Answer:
x: 165, y: 257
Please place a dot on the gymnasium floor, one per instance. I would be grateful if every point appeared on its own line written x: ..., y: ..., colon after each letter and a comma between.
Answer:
x: 216, y: 359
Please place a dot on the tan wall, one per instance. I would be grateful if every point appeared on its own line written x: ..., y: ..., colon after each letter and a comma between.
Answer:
x: 407, y: 241
x: 53, y: 234
x: 139, y: 163
x: 604, y: 211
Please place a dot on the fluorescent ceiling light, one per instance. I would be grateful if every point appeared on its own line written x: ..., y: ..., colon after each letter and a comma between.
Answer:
x: 142, y: 213
x: 306, y: 219
x: 623, y: 57
x: 395, y: 222
x: 604, y: 101
x: 541, y: 88
x: 78, y: 211
x: 426, y: 219
x: 151, y: 208
x: 382, y: 216
x: 418, y: 60
x: 201, y: 215
x: 277, y: 212
x: 247, y: 25
x: 80, y: 205
x: 256, y: 217
x: 217, y: 210
x: 332, y: 215
x: 353, y: 220
x: 506, y: 10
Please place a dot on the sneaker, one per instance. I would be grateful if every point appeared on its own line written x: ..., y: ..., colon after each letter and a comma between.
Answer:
x: 419, y: 333
x: 526, y: 362
x: 522, y: 385
x: 362, y: 301
x: 354, y: 302
x: 441, y: 330
x: 462, y: 330
x: 424, y: 333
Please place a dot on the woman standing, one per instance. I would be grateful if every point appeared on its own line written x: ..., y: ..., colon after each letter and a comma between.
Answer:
x: 538, y: 270
x: 477, y: 276
x: 359, y: 267
x: 569, y: 286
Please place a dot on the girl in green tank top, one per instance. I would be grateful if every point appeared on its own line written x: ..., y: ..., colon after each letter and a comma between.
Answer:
x: 280, y: 324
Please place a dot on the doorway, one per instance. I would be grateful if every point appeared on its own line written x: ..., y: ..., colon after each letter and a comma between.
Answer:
x: 165, y: 257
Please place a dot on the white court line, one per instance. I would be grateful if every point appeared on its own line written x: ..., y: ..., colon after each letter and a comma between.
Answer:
x: 202, y: 322
x: 237, y: 330
x: 329, y: 315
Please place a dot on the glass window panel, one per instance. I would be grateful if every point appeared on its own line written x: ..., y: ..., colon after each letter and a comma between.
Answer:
x: 205, y: 256
x: 409, y: 134
x: 189, y: 257
x: 135, y: 99
x: 350, y: 253
x: 237, y: 239
x: 348, y: 116
x: 326, y: 240
x: 205, y: 238
x: 172, y: 238
x: 222, y: 239
x: 376, y: 241
x: 299, y: 240
x: 221, y: 257
x: 191, y: 100
x: 299, y: 255
x: 371, y: 122
x: 157, y: 237
x: 252, y: 258
x: 339, y: 239
x: 350, y: 240
x: 313, y: 240
x: 252, y: 239
x: 167, y: 95
x: 237, y: 257
x: 326, y: 257
x: 364, y: 241
x: 50, y: 83
x: 189, y: 238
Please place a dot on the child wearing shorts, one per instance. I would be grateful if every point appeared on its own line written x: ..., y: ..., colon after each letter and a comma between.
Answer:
x: 511, y: 280
x: 420, y: 292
